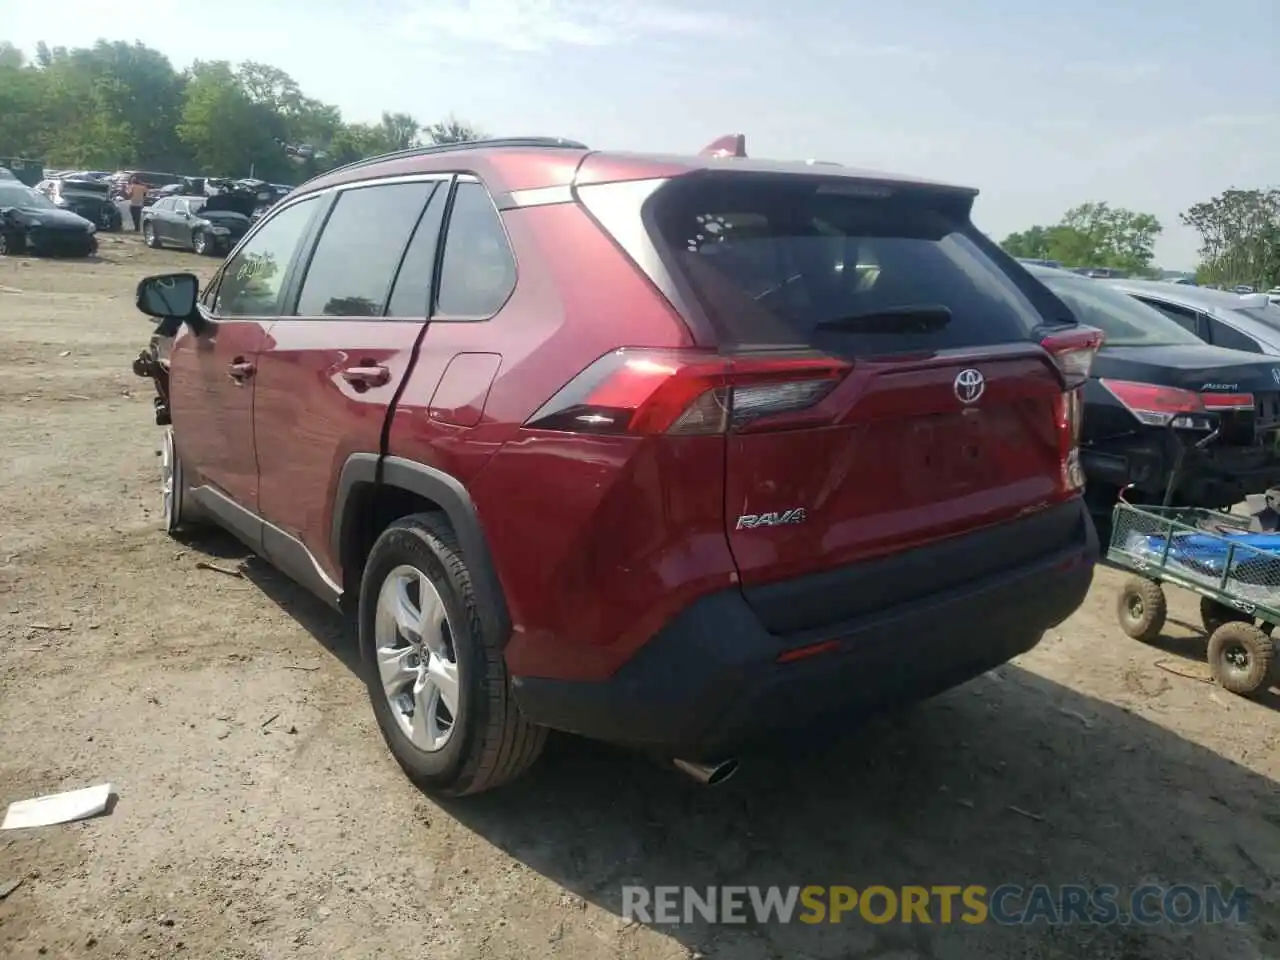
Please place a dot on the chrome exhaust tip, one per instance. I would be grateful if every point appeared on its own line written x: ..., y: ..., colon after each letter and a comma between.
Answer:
x: 708, y: 774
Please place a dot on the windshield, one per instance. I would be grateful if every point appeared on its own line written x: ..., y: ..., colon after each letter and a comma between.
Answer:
x: 1126, y: 321
x: 14, y: 195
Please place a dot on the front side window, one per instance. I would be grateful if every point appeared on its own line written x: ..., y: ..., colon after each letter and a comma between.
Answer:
x: 478, y: 271
x: 360, y: 248
x: 252, y: 282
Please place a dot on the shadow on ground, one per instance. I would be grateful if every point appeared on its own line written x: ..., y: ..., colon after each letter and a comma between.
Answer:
x: 1012, y: 779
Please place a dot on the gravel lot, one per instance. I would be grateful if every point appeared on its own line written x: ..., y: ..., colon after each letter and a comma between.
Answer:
x: 259, y: 815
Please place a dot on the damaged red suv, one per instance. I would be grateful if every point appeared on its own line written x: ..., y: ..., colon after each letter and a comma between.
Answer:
x: 675, y: 452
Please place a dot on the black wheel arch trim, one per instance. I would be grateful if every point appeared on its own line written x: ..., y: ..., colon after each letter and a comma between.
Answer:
x: 452, y: 497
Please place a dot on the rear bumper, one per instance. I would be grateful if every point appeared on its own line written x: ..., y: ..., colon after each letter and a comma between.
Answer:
x: 709, y: 682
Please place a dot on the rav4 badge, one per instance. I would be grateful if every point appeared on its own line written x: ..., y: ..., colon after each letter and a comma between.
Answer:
x: 749, y: 521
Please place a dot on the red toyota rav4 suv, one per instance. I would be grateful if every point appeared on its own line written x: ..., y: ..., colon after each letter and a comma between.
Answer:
x: 674, y: 452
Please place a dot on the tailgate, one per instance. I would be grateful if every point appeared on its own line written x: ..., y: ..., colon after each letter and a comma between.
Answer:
x: 905, y: 462
x: 949, y: 417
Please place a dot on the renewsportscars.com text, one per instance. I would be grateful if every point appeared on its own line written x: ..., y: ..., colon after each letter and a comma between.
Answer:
x: 1007, y: 905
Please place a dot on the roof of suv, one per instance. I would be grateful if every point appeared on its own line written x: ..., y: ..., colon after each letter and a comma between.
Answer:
x: 513, y: 164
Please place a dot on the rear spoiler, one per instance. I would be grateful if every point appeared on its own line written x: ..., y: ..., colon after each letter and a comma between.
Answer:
x: 730, y: 145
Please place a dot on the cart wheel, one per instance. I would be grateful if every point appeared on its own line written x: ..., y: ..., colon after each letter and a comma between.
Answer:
x: 1240, y: 656
x: 1141, y: 608
x: 1214, y: 614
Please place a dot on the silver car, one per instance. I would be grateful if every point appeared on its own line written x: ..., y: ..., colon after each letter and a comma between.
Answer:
x: 1249, y: 322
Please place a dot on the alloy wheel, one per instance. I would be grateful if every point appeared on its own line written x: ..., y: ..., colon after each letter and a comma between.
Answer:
x: 415, y: 658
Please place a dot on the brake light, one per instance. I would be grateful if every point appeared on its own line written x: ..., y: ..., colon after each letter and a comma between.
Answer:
x: 1073, y: 352
x: 1159, y: 406
x: 642, y: 391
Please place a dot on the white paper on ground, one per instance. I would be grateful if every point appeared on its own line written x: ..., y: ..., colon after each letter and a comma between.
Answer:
x: 57, y: 808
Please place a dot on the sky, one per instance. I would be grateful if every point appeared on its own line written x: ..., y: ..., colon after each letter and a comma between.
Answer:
x: 1151, y: 106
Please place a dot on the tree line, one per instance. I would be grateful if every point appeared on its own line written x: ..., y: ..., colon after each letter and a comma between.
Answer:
x: 119, y: 105
x: 1239, y: 239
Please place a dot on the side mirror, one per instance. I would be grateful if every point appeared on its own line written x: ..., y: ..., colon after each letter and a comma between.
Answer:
x: 169, y: 296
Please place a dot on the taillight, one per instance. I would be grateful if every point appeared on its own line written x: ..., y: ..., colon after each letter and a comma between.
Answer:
x: 1073, y: 352
x: 1159, y: 406
x: 643, y: 391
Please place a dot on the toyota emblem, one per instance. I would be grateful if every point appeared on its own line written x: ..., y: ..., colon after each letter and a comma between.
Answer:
x: 969, y: 385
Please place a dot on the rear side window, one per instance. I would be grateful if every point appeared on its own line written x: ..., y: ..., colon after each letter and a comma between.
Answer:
x: 478, y: 271
x: 796, y: 260
x: 1125, y: 321
x: 1225, y: 336
x: 411, y: 295
x: 360, y: 249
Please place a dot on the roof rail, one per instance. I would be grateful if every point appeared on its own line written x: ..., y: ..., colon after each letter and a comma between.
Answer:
x: 551, y: 142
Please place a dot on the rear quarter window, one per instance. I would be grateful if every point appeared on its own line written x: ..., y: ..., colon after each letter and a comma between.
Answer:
x: 774, y: 261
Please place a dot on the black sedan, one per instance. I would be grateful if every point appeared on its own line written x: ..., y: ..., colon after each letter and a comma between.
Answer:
x: 207, y: 225
x: 32, y: 223
x: 1161, y: 401
x: 89, y: 198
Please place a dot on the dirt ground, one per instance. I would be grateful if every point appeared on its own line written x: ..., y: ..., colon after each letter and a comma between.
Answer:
x: 259, y: 815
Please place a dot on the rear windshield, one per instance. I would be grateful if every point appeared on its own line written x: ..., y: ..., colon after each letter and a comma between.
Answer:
x: 85, y: 187
x: 794, y: 260
x: 1126, y: 322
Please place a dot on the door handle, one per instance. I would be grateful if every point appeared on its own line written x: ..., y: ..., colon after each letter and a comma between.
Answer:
x: 240, y: 370
x: 371, y: 376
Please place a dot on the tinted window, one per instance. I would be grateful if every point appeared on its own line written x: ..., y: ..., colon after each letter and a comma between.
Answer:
x: 1225, y: 336
x: 1187, y: 319
x: 253, y: 280
x: 1126, y: 322
x: 356, y: 259
x: 793, y: 261
x: 478, y: 272
x: 411, y: 295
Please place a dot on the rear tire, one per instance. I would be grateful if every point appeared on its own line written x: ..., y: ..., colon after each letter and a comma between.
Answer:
x: 1141, y: 609
x: 482, y: 741
x: 12, y: 244
x: 1241, y: 657
x: 1214, y: 614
